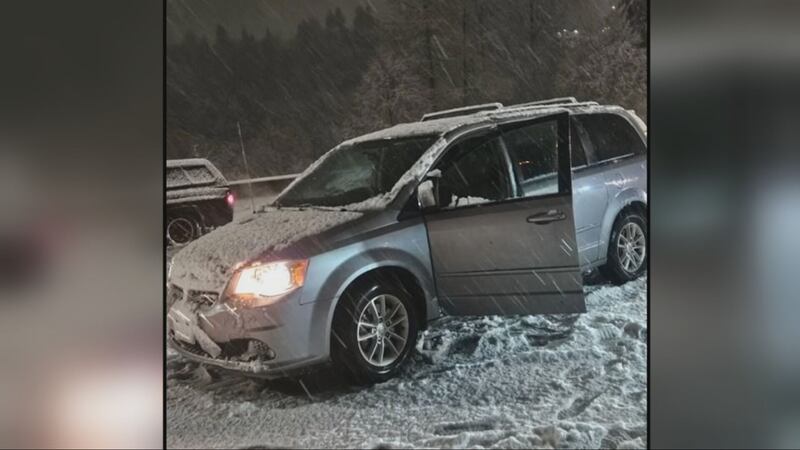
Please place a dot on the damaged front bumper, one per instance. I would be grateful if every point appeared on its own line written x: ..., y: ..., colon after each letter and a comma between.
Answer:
x: 254, y: 367
x: 274, y: 341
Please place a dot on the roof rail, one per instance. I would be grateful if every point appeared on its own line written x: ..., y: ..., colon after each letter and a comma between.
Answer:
x: 549, y: 105
x: 551, y: 101
x: 463, y: 111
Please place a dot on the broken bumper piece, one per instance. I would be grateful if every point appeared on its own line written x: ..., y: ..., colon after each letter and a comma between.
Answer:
x: 239, y: 340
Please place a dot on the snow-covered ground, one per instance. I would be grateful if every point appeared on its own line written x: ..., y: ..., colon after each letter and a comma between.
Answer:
x: 504, y: 382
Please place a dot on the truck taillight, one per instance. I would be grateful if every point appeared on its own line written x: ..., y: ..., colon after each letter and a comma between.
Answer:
x: 230, y: 199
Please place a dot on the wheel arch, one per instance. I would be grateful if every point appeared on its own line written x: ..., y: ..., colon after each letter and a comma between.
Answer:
x: 627, y: 200
x: 422, y: 295
x: 402, y: 277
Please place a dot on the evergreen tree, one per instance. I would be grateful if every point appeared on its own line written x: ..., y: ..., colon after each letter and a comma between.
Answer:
x: 300, y: 96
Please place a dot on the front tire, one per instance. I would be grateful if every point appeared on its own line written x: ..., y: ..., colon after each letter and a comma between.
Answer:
x: 627, y: 249
x: 374, y: 330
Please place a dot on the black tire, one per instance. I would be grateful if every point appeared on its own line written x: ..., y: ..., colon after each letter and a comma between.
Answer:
x: 345, y: 350
x: 182, y: 229
x: 615, y: 268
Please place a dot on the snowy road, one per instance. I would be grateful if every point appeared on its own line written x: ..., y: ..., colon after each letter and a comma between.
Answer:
x: 547, y: 381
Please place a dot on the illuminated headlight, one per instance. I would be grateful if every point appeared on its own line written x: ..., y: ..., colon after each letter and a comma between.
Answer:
x: 271, y: 279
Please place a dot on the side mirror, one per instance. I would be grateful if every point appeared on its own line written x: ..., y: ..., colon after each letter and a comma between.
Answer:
x: 426, y: 196
x: 426, y: 191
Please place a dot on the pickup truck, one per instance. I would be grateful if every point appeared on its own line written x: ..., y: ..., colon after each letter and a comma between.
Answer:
x: 198, y: 197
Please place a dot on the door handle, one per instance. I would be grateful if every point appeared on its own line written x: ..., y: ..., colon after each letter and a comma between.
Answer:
x: 546, y: 217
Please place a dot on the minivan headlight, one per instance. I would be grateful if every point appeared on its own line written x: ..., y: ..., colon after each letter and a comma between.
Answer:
x: 270, y: 279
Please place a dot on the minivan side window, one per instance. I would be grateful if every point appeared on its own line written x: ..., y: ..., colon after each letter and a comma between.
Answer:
x: 474, y: 171
x: 611, y: 135
x: 533, y: 150
x: 577, y: 150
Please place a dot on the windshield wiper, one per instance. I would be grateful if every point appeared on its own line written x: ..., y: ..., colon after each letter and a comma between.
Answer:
x: 322, y: 208
x: 313, y: 206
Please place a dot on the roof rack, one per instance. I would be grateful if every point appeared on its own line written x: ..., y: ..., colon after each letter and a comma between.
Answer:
x: 463, y: 111
x: 563, y: 102
x: 536, y: 105
x: 552, y: 101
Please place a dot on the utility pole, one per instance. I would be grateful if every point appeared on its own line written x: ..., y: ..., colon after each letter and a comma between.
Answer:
x: 464, y: 79
x: 247, y: 169
x: 429, y: 49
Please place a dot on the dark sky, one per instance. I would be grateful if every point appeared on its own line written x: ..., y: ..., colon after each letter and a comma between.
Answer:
x: 280, y: 16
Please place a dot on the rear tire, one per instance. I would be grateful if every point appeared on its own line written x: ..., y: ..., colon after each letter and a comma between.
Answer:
x: 374, y: 330
x: 627, y: 255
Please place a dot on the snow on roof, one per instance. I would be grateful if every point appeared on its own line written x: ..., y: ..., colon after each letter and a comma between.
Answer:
x: 188, y: 162
x: 444, y: 125
x: 412, y: 129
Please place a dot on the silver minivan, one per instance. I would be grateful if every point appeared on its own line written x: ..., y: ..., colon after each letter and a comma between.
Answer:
x: 483, y: 210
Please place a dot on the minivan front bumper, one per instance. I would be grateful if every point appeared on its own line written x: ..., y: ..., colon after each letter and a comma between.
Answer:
x: 259, y: 368
x: 271, y: 341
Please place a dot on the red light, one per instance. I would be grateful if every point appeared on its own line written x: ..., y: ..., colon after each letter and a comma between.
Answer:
x: 230, y: 198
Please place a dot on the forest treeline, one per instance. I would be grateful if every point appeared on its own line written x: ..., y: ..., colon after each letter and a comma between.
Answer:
x: 297, y: 97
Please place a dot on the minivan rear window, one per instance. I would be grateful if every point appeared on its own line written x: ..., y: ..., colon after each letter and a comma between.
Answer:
x: 611, y: 136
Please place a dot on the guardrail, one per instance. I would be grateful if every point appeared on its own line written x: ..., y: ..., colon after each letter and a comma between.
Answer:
x: 274, y: 178
x: 262, y: 187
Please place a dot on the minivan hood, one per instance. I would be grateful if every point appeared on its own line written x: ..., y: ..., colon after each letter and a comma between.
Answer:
x: 207, y: 263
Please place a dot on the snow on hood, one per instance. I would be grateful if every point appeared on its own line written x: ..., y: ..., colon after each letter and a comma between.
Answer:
x: 207, y: 263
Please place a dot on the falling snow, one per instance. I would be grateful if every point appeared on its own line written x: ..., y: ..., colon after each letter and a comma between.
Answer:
x: 491, y: 382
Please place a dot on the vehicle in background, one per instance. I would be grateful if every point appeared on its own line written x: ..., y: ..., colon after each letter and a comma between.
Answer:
x: 199, y: 199
x: 482, y: 210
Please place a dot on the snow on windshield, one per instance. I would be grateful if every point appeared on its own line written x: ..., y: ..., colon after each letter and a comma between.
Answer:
x: 401, y: 131
x: 357, y: 173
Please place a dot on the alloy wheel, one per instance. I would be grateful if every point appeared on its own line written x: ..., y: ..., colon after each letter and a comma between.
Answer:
x: 631, y: 247
x: 382, y: 331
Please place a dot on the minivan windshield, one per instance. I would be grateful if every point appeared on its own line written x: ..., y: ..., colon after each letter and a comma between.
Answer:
x: 356, y: 173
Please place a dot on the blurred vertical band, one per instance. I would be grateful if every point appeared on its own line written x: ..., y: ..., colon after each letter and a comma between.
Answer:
x: 725, y: 190
x: 81, y: 267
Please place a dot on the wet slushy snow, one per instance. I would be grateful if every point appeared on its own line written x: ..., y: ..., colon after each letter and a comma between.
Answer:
x: 492, y: 382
